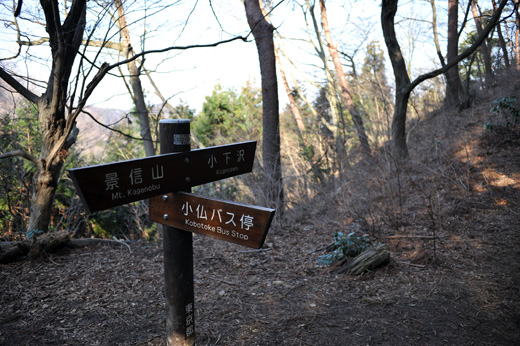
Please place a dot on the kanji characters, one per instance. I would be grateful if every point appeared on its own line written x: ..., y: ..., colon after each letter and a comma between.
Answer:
x: 111, y: 181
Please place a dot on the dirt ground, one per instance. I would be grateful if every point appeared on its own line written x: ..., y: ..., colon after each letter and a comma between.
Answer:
x: 456, y: 284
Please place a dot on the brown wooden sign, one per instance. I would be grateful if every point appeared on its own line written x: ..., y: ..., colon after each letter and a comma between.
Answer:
x: 105, y: 186
x: 233, y: 222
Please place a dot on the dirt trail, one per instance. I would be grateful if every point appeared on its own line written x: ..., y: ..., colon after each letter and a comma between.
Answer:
x: 462, y: 290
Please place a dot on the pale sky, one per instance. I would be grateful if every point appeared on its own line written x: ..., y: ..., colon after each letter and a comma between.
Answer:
x: 191, y: 75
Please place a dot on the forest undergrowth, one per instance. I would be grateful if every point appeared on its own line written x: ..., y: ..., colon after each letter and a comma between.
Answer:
x: 449, y: 215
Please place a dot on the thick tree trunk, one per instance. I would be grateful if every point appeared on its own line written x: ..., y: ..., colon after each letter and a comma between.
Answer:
x: 402, y: 80
x: 263, y: 33
x: 347, y: 99
x: 453, y: 84
x: 403, y: 85
x: 135, y: 80
x: 44, y: 189
x: 64, y: 42
x: 399, y: 146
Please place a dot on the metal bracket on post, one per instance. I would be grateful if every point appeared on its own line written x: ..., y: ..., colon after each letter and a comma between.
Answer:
x: 178, y: 252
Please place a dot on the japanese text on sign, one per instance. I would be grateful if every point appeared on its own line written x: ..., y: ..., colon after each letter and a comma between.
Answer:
x: 112, y: 184
x: 201, y: 212
x: 234, y: 222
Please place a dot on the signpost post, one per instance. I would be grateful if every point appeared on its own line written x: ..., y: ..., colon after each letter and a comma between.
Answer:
x: 160, y: 178
x: 178, y: 252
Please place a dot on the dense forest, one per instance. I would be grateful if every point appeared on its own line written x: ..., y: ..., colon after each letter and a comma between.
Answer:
x: 331, y: 121
x: 381, y: 126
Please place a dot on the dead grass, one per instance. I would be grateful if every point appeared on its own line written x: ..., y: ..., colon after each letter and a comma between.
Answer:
x: 450, y: 217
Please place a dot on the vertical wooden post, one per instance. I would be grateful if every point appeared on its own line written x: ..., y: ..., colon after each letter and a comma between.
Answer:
x: 178, y: 252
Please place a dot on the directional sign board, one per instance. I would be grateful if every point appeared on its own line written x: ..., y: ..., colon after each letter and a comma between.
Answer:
x: 233, y: 222
x: 105, y: 186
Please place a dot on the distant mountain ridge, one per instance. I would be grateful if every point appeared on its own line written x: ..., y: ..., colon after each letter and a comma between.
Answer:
x: 92, y: 136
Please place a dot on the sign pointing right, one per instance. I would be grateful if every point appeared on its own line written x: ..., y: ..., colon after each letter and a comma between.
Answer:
x: 229, y: 221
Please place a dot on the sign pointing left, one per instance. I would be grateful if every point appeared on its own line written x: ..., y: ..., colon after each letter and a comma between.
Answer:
x: 108, y: 185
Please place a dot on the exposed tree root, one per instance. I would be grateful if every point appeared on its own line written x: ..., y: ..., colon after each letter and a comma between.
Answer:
x: 47, y: 243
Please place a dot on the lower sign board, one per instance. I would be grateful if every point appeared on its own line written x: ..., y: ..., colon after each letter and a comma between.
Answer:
x: 229, y: 221
x: 112, y: 184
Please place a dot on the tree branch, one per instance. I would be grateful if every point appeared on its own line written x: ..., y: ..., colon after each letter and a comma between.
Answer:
x: 103, y: 70
x: 167, y: 49
x: 18, y: 9
x: 110, y: 128
x: 464, y: 54
x: 102, y: 44
x: 37, y: 42
x: 18, y: 87
x: 91, y: 43
x: 22, y: 154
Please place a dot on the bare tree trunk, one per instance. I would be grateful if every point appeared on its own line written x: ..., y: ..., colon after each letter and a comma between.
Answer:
x: 403, y: 86
x: 453, y: 84
x: 483, y: 47
x: 334, y: 125
x: 435, y: 33
x: 501, y: 39
x: 517, y: 36
x: 347, y: 98
x: 298, y: 118
x: 292, y: 102
x: 58, y: 131
x: 263, y: 33
x: 402, y: 80
x: 135, y: 80
x: 64, y: 40
x: 45, y: 184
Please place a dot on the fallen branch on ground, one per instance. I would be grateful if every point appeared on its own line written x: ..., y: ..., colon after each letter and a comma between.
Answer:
x: 48, y: 243
x: 369, y: 259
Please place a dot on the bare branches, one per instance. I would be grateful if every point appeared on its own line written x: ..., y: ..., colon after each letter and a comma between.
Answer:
x: 22, y: 154
x: 18, y: 8
x: 101, y: 44
x: 103, y: 70
x: 485, y: 32
x: 37, y: 42
x: 110, y: 128
x: 29, y: 95
x: 71, y: 120
x: 167, y: 49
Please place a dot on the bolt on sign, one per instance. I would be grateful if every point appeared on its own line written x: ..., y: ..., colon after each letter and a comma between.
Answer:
x: 229, y: 221
x: 109, y: 185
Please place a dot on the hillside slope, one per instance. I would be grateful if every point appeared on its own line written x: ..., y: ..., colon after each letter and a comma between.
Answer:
x: 450, y: 215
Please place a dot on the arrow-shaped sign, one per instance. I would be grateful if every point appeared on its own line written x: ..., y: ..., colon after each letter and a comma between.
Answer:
x: 108, y: 185
x: 233, y: 222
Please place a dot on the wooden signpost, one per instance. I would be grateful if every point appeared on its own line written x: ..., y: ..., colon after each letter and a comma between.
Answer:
x: 233, y: 222
x: 109, y: 185
x: 166, y: 179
